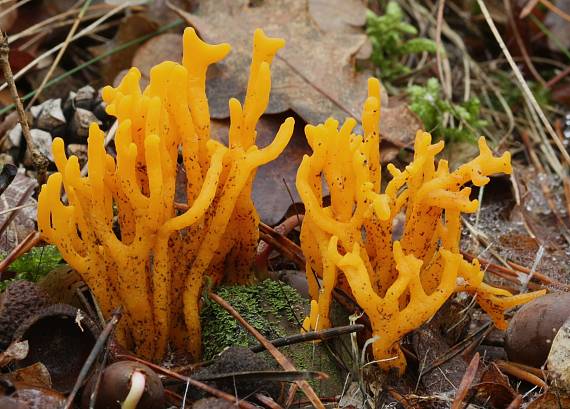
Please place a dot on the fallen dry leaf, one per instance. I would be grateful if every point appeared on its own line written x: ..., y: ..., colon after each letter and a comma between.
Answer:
x: 313, y: 75
x: 132, y: 26
x: 34, y: 375
x: 165, y: 47
x: 16, y: 225
x: 346, y: 16
x: 270, y: 194
x: 16, y: 351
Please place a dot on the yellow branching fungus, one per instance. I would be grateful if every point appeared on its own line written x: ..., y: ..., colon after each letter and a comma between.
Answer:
x: 401, y: 283
x: 154, y: 263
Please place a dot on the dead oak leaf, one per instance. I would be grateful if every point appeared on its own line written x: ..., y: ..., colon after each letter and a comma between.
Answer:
x: 314, y: 75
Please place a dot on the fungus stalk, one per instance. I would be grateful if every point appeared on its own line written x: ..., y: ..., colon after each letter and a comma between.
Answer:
x: 155, y: 266
x: 399, y: 282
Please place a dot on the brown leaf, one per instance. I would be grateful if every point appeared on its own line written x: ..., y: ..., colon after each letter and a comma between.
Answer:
x: 133, y: 26
x: 36, y: 375
x: 166, y: 47
x: 346, y: 16
x: 494, y: 388
x: 550, y: 400
x: 19, y: 223
x: 270, y: 193
x: 313, y: 75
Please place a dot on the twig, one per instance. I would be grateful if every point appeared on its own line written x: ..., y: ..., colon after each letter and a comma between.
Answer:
x: 321, y: 335
x: 197, y: 384
x: 284, y: 228
x: 64, y: 46
x: 283, y: 248
x: 557, y: 78
x: 24, y: 246
x: 466, y: 382
x: 99, y: 345
x: 554, y: 9
x: 268, y: 401
x: 520, y: 373
x: 540, y: 373
x: 39, y: 160
x: 279, y: 357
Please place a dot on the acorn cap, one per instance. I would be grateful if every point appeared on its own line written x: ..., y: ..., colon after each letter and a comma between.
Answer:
x: 61, y: 337
x: 533, y: 328
x: 116, y: 384
x: 21, y: 300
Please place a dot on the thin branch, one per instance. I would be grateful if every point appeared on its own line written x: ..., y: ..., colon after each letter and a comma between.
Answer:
x: 39, y: 160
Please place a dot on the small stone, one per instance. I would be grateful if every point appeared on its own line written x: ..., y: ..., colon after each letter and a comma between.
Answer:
x: 15, y: 135
x: 85, y: 97
x: 42, y: 142
x: 80, y: 122
x: 79, y: 150
x: 51, y: 116
x: 100, y: 112
x: 69, y: 104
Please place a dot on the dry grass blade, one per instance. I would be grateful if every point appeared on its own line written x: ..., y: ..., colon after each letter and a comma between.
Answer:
x: 279, y: 357
x: 13, y: 7
x: 13, y: 209
x: 524, y: 86
x: 87, y: 30
x: 466, y: 382
x: 65, y: 43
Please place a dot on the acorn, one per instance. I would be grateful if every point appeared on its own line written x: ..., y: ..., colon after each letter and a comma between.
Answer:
x: 126, y: 378
x: 21, y: 300
x: 533, y: 328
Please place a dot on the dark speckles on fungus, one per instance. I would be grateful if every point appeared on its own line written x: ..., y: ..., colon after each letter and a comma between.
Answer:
x: 155, y: 261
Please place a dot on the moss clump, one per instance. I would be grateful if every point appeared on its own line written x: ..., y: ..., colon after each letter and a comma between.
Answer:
x: 275, y: 310
x: 33, y: 265
x: 265, y: 306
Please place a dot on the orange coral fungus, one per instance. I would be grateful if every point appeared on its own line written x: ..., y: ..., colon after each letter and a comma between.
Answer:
x: 155, y: 266
x: 400, y: 283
